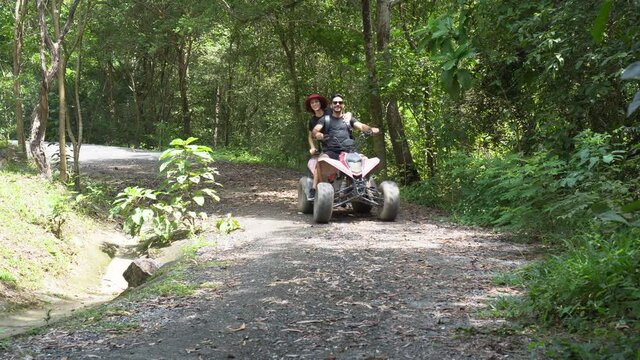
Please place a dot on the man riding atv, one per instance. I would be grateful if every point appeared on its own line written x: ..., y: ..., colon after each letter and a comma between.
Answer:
x: 335, y: 134
x: 345, y: 179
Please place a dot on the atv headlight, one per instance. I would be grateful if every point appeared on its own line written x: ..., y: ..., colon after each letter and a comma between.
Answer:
x: 355, y: 166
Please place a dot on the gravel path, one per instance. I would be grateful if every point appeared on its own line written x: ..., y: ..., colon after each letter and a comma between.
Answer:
x: 356, y: 288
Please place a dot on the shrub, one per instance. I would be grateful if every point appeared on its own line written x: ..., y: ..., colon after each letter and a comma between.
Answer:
x: 188, y: 181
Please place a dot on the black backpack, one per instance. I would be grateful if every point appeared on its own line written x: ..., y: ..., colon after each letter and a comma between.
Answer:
x: 326, y: 121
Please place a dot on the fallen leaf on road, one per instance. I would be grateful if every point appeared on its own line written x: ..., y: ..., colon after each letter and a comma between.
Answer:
x: 242, y: 327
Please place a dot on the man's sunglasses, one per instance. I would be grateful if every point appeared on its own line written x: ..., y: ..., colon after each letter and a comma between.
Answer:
x: 338, y: 102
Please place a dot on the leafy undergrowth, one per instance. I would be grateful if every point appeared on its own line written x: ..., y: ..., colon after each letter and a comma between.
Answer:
x: 585, y: 206
x: 43, y: 239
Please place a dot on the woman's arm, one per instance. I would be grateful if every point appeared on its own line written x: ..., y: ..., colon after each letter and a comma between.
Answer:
x: 312, y: 145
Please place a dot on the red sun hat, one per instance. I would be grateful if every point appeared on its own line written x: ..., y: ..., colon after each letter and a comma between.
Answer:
x: 323, y: 102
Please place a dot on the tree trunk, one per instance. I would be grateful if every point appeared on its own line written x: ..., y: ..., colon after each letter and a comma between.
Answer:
x: 287, y: 40
x: 62, y: 110
x: 18, y: 39
x: 136, y: 101
x: 401, y: 151
x: 184, y: 53
x: 77, y: 143
x: 216, y: 116
x: 375, y: 103
x: 40, y: 112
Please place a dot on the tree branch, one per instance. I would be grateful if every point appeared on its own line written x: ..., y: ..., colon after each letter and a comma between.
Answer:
x: 44, y: 35
x: 67, y: 26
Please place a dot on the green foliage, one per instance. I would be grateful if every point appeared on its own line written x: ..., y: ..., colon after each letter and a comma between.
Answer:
x: 94, y: 199
x: 597, y: 278
x: 633, y: 72
x: 451, y: 49
x: 188, y: 182
x: 596, y: 346
x: 506, y: 307
x: 60, y: 208
x: 586, y: 204
x: 227, y: 224
x: 7, y: 278
x: 541, y: 194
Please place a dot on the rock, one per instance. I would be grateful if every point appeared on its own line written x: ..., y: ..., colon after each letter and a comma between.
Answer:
x: 139, y: 271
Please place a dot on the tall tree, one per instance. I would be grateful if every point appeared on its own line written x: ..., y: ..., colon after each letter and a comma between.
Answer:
x: 18, y: 39
x: 286, y: 31
x: 77, y: 141
x: 184, y: 56
x: 403, y: 157
x: 373, y: 87
x: 39, y: 115
x: 56, y: 6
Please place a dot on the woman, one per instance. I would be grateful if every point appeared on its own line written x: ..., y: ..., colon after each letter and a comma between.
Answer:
x: 316, y: 104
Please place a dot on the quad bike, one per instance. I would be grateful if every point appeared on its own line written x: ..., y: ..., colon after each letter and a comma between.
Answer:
x: 352, y: 185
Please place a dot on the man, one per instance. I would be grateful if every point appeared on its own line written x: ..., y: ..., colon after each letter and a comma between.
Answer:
x: 335, y: 134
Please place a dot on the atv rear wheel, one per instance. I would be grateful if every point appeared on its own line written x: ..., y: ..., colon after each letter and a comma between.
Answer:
x: 391, y: 205
x: 323, y: 203
x: 305, y: 206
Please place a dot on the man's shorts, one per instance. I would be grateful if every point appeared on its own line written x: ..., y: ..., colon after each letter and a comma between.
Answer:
x: 332, y: 154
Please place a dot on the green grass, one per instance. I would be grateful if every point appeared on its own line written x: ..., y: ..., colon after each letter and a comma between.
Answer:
x: 38, y: 224
x: 4, y: 344
x: 238, y: 156
x: 7, y: 278
x: 505, y: 307
x: 167, y: 281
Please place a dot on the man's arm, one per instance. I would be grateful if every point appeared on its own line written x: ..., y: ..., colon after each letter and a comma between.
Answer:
x: 365, y: 128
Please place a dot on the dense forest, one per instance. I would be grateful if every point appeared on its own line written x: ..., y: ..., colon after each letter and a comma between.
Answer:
x: 518, y: 115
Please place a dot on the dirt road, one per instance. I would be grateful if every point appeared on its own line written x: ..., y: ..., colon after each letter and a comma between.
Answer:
x: 356, y: 288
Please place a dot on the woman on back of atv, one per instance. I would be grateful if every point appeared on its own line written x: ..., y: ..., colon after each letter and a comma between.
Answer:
x: 333, y: 131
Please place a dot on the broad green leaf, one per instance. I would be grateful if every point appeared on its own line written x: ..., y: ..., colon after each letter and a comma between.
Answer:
x: 449, y: 64
x: 171, y: 153
x: 608, y: 159
x: 195, y: 179
x: 613, y: 216
x: 203, y: 154
x: 137, y: 217
x: 164, y: 164
x: 635, y: 104
x: 632, y: 71
x: 634, y: 206
x: 597, y: 31
x: 147, y: 213
x: 464, y: 78
x: 448, y: 80
x: 177, y: 142
x: 190, y: 140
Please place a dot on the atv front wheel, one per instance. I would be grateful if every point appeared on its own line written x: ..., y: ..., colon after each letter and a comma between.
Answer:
x: 391, y: 205
x: 323, y: 203
x: 305, y: 206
